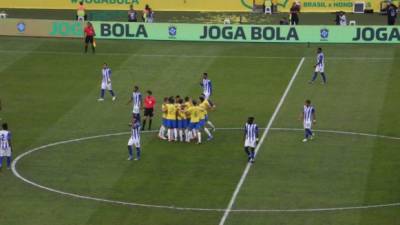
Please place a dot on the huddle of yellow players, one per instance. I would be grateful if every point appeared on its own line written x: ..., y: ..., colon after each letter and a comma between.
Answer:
x: 184, y: 119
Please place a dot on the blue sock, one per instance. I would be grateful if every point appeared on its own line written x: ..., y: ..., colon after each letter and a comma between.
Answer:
x: 112, y: 93
x: 138, y: 153
x: 252, y: 154
x: 246, y: 149
x: 323, y: 77
x: 1, y: 161
x: 306, y: 133
x: 130, y: 151
x: 8, y: 162
x: 310, y: 132
x: 102, y: 93
x: 314, y: 76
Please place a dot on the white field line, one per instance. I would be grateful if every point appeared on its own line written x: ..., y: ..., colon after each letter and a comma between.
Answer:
x: 190, y: 56
x: 264, y: 135
x: 16, y: 173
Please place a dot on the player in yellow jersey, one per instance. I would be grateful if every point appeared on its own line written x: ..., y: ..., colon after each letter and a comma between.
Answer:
x: 206, y: 105
x: 181, y: 119
x: 210, y: 106
x: 188, y: 103
x: 195, y: 113
x: 163, y: 128
x: 171, y: 119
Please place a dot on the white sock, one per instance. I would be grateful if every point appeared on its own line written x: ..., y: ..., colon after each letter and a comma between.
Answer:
x: 169, y: 134
x: 208, y: 132
x: 188, y: 135
x: 211, y: 124
x: 194, y: 134
x: 175, y: 134
x: 181, y: 135
x: 161, y: 132
x: 199, y: 136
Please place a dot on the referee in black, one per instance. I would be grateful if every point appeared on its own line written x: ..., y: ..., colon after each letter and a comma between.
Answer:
x: 149, y: 103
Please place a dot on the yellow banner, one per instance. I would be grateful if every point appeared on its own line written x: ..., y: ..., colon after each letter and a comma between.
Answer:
x: 327, y: 5
x: 189, y: 5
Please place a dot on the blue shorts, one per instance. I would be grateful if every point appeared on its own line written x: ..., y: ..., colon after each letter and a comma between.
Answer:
x: 164, y: 122
x: 171, y: 124
x: 193, y: 126
x: 202, y: 123
x: 181, y: 124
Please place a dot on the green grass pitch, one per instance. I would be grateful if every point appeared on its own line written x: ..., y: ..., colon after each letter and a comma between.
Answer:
x: 49, y: 89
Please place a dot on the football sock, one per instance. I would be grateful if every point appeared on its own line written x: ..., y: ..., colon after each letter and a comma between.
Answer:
x: 246, y: 149
x: 112, y: 93
x: 208, y: 132
x: 314, y: 76
x: 175, y: 134
x: 150, y: 120
x: 143, y: 124
x: 138, y: 153
x: 211, y: 124
x: 199, y: 137
x: 1, y: 161
x: 310, y: 133
x: 323, y: 77
x: 86, y: 47
x: 188, y: 135
x: 130, y: 151
x: 252, y: 154
x: 306, y: 133
x: 169, y: 134
x: 8, y: 162
x: 181, y: 135
x: 162, y: 131
x: 102, y: 93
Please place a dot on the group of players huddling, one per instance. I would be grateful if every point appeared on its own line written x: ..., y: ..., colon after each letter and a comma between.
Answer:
x: 184, y: 119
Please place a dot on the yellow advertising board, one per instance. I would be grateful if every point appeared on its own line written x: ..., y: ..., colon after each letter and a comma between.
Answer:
x: 327, y: 5
x: 189, y: 5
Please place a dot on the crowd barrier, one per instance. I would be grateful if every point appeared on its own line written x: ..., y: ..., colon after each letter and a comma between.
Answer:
x: 204, y: 32
x: 191, y: 5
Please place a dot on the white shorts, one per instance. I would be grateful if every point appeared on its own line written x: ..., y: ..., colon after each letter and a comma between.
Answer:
x: 136, y: 110
x: 5, y: 152
x: 206, y: 95
x: 250, y: 143
x: 319, y: 69
x: 307, y: 124
x: 134, y: 141
x: 105, y: 85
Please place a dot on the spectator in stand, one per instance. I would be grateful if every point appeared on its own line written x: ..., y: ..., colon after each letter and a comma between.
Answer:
x: 80, y: 13
x: 148, y: 14
x: 341, y: 18
x: 132, y: 15
x: 391, y: 13
x: 294, y: 13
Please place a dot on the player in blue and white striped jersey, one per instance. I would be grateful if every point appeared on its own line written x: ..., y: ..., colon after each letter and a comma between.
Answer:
x: 309, y: 118
x: 251, y: 138
x: 206, y: 85
x: 134, y: 139
x: 319, y: 67
x: 106, y: 82
x: 5, y: 145
x: 137, y: 102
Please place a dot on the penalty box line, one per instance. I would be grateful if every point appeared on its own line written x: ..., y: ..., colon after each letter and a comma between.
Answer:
x: 264, y: 135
